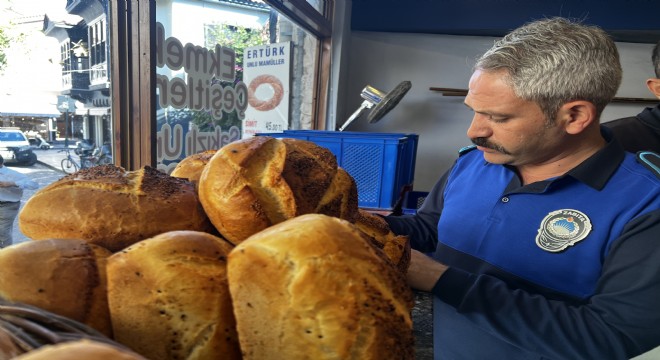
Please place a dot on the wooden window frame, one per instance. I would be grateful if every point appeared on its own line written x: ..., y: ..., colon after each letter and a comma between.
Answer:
x: 318, y: 24
x: 133, y: 76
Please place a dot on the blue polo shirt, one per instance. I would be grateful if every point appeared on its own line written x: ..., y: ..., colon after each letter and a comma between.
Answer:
x: 567, y: 268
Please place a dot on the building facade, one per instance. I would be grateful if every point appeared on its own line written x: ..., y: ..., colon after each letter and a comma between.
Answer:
x: 85, y: 94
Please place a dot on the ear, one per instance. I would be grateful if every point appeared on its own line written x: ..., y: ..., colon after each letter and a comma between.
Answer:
x: 577, y: 115
x: 654, y: 86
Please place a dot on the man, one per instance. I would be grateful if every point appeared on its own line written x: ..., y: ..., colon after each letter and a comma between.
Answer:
x: 12, y: 184
x: 545, y: 235
x: 642, y: 132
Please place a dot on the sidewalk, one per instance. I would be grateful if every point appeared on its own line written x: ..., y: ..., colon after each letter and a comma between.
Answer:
x: 53, y: 157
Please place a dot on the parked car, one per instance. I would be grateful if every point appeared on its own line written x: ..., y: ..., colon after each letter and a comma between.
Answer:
x: 39, y: 143
x: 15, y: 147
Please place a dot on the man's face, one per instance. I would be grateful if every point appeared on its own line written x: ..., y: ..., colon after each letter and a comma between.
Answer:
x: 507, y: 129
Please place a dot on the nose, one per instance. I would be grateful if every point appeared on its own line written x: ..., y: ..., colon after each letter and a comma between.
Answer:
x: 479, y: 127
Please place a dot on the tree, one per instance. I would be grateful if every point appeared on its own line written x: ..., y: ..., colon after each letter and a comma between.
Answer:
x: 4, y: 45
x: 237, y: 38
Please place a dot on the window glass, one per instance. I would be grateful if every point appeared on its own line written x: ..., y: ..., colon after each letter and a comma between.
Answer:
x: 98, y: 73
x: 54, y: 73
x: 225, y: 71
x: 30, y: 70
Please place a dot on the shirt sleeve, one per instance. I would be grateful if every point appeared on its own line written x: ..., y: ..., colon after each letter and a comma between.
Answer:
x: 422, y: 228
x: 27, y: 183
x: 618, y: 322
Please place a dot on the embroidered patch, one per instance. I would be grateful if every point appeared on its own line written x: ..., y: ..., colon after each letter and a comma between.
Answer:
x: 561, y: 229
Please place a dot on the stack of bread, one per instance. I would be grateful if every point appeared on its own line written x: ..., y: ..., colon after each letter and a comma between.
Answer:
x: 290, y: 267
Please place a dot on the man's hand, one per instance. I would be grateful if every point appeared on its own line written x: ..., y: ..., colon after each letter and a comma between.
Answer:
x: 423, y: 271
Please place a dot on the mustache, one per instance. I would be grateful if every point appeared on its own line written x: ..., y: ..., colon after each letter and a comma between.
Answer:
x: 483, y: 142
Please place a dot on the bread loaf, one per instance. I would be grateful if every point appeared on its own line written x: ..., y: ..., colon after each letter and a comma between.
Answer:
x: 169, y: 298
x: 251, y: 184
x: 313, y: 287
x: 65, y: 277
x: 395, y: 247
x: 109, y: 206
x: 191, y: 167
x: 80, y: 350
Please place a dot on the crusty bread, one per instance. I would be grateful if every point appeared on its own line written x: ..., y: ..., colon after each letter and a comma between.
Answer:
x: 65, y: 277
x: 313, y: 287
x: 109, y: 206
x: 251, y: 184
x: 169, y: 298
x: 80, y: 350
x: 191, y: 166
x: 395, y: 247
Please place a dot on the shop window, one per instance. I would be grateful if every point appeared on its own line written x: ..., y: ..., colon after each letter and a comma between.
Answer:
x: 226, y: 71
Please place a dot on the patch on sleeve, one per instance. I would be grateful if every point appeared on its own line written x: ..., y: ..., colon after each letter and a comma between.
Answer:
x: 464, y: 150
x: 650, y: 160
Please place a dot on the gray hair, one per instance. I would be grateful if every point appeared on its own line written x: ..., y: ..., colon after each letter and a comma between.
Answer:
x: 656, y: 59
x: 557, y: 60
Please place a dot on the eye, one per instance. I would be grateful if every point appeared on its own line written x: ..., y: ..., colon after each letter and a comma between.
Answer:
x: 498, y: 118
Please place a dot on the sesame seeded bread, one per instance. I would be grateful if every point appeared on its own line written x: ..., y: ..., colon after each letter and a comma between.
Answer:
x: 111, y: 207
x: 313, y: 287
x: 169, y: 299
x: 191, y: 166
x: 65, y: 277
x: 251, y: 184
x: 395, y: 247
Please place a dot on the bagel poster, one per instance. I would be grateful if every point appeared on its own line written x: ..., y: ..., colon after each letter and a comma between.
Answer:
x: 266, y: 73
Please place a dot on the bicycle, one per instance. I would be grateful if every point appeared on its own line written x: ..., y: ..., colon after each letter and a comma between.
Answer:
x: 69, y: 164
x: 97, y: 157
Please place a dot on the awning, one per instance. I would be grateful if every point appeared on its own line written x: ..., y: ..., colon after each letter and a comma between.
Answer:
x: 30, y: 114
x: 96, y: 111
x: 28, y: 106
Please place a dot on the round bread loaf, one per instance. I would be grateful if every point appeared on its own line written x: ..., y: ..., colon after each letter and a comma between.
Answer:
x: 80, y: 350
x: 313, y: 287
x: 191, y: 166
x: 109, y: 206
x: 395, y: 247
x: 65, y: 277
x: 251, y: 184
x: 169, y: 298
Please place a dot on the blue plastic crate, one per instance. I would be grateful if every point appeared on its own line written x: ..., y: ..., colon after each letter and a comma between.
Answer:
x: 382, y: 164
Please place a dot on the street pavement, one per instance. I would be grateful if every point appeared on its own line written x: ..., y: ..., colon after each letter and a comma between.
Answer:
x: 45, y: 171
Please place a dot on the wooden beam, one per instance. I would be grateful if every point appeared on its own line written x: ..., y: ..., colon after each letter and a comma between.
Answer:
x: 133, y: 79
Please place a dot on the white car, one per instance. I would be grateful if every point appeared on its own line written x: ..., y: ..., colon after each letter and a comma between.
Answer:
x: 15, y: 147
x: 38, y: 142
